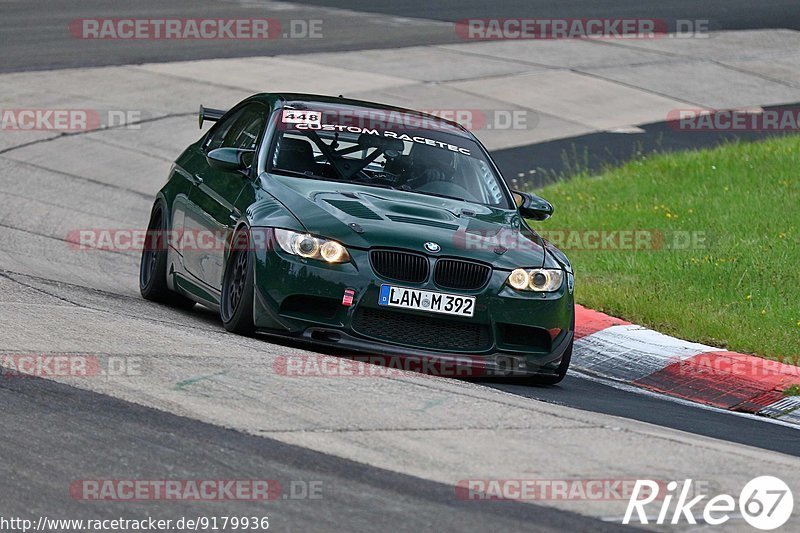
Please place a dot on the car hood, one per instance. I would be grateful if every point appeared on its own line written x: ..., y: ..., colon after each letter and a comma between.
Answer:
x: 362, y: 216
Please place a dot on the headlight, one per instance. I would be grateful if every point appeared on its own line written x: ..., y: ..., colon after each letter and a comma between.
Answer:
x: 311, y: 247
x: 537, y: 279
x: 519, y: 279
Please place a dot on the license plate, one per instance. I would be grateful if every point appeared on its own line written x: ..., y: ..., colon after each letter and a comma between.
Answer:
x: 437, y: 302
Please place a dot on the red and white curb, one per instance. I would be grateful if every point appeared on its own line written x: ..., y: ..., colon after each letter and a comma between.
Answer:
x: 616, y: 349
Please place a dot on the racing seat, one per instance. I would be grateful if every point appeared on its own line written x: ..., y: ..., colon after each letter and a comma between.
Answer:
x: 296, y: 155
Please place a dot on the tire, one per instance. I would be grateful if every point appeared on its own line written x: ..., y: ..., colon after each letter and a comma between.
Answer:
x: 236, y: 302
x: 153, y: 265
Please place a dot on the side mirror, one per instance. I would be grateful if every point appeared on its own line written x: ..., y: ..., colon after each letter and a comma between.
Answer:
x: 227, y: 159
x: 532, y: 206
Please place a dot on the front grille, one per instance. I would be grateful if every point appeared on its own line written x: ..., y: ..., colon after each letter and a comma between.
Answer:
x: 400, y: 266
x: 459, y: 274
x: 421, y: 331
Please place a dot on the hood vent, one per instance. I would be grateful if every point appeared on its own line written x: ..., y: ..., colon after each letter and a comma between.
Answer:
x: 354, y: 209
x: 423, y: 222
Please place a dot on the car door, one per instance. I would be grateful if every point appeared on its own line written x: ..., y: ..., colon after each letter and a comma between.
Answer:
x: 211, y: 213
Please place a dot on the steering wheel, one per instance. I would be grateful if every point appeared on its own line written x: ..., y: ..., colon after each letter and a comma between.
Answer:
x: 433, y: 172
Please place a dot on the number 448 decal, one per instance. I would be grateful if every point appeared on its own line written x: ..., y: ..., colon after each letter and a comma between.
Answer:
x: 294, y: 116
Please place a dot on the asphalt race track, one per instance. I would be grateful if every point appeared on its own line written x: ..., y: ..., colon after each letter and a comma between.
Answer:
x: 59, y: 431
x: 204, y: 404
x: 33, y: 34
x: 594, y: 152
x: 723, y: 14
x: 585, y: 393
x: 33, y: 37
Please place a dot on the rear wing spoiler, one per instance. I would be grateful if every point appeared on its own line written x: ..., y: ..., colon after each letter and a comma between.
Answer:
x: 212, y: 115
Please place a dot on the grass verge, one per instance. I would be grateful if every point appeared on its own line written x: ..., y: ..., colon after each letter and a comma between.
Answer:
x: 722, y: 265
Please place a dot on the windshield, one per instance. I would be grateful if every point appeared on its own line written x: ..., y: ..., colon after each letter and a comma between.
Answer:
x: 421, y: 160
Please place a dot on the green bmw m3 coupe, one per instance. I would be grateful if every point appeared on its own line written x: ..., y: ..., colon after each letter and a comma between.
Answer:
x: 370, y: 228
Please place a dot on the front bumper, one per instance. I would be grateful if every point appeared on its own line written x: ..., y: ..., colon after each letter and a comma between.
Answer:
x: 511, y: 333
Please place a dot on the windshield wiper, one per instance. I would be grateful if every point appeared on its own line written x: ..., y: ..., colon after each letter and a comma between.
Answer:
x: 375, y: 184
x: 435, y: 194
x: 309, y: 175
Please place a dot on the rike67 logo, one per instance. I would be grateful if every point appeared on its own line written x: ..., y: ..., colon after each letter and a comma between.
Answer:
x: 766, y: 503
